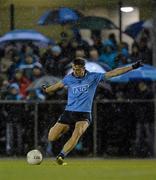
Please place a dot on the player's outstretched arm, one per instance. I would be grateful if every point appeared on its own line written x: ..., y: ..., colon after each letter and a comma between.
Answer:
x: 52, y: 88
x: 122, y: 70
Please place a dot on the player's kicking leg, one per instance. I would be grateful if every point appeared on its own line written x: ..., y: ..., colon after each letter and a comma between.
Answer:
x: 57, y: 130
x: 80, y: 128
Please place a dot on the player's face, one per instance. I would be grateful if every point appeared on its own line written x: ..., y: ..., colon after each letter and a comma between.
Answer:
x: 78, y: 70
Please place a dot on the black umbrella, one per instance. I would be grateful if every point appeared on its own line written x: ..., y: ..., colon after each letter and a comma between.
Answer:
x: 95, y: 23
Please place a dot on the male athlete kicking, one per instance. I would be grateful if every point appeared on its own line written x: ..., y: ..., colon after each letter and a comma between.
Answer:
x: 81, y: 86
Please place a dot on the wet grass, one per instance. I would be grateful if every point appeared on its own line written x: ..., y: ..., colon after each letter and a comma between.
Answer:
x: 79, y: 169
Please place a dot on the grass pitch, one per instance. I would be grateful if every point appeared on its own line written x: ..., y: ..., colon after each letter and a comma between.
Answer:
x: 79, y: 169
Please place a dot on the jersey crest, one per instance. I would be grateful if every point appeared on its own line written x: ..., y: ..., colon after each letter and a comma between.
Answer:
x: 80, y: 89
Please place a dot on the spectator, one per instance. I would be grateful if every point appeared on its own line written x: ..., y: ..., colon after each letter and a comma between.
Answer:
x: 121, y: 60
x: 112, y: 38
x: 55, y: 65
x: 145, y: 52
x: 94, y: 57
x: 144, y: 132
x: 65, y: 47
x: 97, y: 43
x: 14, y: 129
x: 22, y: 81
x: 29, y: 49
x: 15, y: 65
x: 27, y: 66
x: 135, y: 54
x: 37, y: 71
x: 80, y: 53
x: 6, y: 62
x: 4, y: 84
x: 108, y: 55
x: 123, y: 48
x: 47, y: 55
x: 14, y: 92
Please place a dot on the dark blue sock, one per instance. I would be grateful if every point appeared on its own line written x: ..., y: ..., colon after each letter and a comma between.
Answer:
x: 62, y: 154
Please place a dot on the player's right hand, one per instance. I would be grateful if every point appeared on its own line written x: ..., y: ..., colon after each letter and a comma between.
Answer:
x: 44, y: 86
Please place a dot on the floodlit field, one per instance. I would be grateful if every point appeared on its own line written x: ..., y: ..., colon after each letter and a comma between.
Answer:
x: 79, y: 169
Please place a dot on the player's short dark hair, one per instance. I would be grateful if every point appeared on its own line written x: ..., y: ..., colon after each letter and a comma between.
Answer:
x: 79, y: 61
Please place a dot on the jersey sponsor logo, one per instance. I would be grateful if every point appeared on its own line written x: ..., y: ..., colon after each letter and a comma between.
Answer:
x: 80, y: 89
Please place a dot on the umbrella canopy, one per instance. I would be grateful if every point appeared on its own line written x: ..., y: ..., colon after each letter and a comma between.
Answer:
x: 134, y: 29
x: 25, y: 35
x: 43, y: 80
x: 59, y: 16
x: 145, y: 72
x: 148, y: 24
x: 92, y: 67
x: 95, y: 23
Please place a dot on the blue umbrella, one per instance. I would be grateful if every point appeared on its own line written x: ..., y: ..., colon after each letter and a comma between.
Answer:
x: 59, y: 16
x: 134, y: 29
x: 146, y: 72
x: 25, y: 35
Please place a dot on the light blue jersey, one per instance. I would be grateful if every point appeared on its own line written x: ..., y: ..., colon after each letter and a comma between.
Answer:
x: 81, y: 91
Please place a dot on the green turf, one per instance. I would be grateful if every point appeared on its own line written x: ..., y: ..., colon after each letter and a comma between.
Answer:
x: 92, y: 169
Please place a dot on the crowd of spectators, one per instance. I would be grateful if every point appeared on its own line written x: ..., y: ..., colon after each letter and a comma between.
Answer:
x: 22, y: 63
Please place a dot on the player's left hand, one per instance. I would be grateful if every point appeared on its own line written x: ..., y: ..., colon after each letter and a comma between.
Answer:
x: 137, y: 64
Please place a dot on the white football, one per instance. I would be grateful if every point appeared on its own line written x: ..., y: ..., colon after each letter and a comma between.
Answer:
x: 34, y: 157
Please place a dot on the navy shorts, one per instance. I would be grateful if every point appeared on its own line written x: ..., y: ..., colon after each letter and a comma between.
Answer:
x: 71, y: 117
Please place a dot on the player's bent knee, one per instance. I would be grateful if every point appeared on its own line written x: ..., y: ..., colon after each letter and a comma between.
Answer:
x: 81, y: 131
x: 51, y: 135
